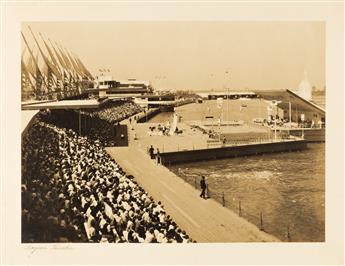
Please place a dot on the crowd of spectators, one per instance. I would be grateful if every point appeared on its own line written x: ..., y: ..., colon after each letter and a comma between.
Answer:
x: 73, y: 191
x: 98, y: 124
x: 115, y: 111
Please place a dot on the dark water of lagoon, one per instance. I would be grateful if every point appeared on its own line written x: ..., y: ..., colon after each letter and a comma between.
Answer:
x: 288, y: 188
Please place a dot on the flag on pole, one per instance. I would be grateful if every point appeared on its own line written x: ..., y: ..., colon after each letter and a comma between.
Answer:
x: 40, y: 81
x: 31, y: 67
x: 62, y: 63
x: 83, y: 69
x: 26, y: 81
x: 79, y: 67
x: 38, y: 76
x: 46, y: 60
x: 86, y: 70
x: 65, y: 59
x: 74, y: 65
x: 55, y: 63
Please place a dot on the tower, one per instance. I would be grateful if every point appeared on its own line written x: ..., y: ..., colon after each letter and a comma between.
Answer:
x: 304, y: 88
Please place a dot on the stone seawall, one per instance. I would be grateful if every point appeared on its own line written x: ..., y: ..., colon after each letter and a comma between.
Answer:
x: 232, y: 151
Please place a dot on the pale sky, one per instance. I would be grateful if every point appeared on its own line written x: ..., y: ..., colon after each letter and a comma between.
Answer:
x: 197, y: 55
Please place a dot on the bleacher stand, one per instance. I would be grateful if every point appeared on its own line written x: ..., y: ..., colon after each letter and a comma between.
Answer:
x: 100, y: 124
x: 73, y: 191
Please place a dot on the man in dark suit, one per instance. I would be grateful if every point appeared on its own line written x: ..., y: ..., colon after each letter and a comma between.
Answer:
x: 151, y: 152
x: 203, y: 187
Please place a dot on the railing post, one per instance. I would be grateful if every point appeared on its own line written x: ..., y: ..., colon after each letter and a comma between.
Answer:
x: 239, y: 208
x: 223, y: 199
x: 288, y: 234
x: 261, y: 222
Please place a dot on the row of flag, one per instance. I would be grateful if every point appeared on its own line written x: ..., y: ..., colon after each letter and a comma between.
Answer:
x: 61, y: 72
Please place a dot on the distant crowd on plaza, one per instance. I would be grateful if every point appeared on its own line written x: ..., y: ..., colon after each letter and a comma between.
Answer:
x: 281, y: 122
x: 163, y: 130
x: 73, y: 191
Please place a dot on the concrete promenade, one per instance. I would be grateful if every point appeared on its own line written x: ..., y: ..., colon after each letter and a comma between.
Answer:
x: 203, y: 220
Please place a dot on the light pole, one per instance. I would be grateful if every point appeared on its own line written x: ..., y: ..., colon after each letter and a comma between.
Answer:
x: 302, y: 119
x: 227, y: 73
x: 275, y: 104
x: 220, y: 106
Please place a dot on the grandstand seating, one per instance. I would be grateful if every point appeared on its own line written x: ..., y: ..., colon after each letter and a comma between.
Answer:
x: 73, y: 191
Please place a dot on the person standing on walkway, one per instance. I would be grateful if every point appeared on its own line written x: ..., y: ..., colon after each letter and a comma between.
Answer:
x: 203, y: 187
x: 158, y: 156
x: 151, y: 152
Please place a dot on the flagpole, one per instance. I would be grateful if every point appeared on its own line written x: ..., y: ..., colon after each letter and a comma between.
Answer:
x: 75, y: 68
x: 23, y: 52
x: 44, y: 57
x: 65, y: 59
x: 63, y: 67
x: 67, y: 66
x: 62, y: 64
x: 72, y: 69
x: 33, y: 58
x: 26, y: 71
x: 55, y: 63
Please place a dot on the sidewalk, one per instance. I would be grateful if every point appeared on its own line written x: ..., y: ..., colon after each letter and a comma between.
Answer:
x: 203, y: 220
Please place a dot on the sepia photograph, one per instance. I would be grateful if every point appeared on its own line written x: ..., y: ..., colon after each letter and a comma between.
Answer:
x: 173, y: 132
